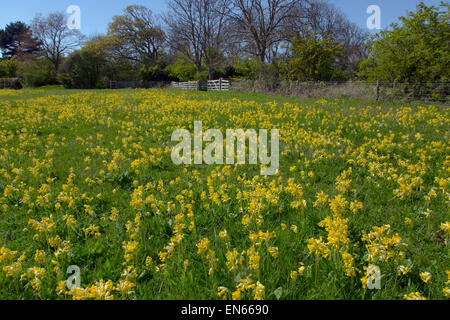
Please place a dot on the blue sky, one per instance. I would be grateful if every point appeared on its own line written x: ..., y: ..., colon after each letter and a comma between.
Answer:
x: 96, y: 14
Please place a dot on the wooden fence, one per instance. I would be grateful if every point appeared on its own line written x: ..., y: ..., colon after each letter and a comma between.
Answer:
x: 210, y: 85
x: 218, y: 85
x: 188, y: 85
x: 136, y: 84
x: 10, y: 83
x: 199, y: 85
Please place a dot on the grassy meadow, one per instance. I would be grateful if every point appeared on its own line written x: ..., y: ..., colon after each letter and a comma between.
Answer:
x: 86, y: 179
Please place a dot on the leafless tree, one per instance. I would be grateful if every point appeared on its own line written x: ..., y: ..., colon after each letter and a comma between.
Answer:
x: 215, y: 31
x: 56, y: 38
x: 200, y: 30
x: 183, y: 22
x: 260, y: 23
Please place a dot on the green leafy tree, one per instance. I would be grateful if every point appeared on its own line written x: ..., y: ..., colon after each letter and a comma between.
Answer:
x: 8, y: 68
x: 313, y: 58
x: 246, y: 68
x: 414, y: 50
x: 36, y: 73
x: 182, y: 70
x: 137, y: 34
x: 86, y: 69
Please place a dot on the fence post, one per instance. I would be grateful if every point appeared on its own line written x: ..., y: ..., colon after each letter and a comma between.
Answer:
x: 378, y: 90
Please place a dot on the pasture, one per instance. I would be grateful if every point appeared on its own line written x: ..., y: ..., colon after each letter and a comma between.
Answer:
x: 86, y: 179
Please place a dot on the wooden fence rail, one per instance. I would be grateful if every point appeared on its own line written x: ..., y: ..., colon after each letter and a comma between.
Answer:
x: 10, y: 83
x: 218, y: 85
x: 188, y: 85
x: 112, y: 84
x: 210, y: 85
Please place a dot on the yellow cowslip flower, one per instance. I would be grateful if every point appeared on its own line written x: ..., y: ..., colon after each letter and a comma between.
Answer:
x: 77, y: 293
x: 40, y: 256
x: 338, y: 205
x: 402, y: 270
x: 294, y: 228
x: 301, y: 269
x: 70, y: 220
x: 203, y: 246
x: 246, y: 220
x: 222, y: 292
x: 294, y: 275
x: 6, y: 254
x: 349, y: 264
x: 224, y: 235
x: 253, y: 257
x: 409, y: 222
x: 259, y: 291
x: 125, y: 287
x: 13, y: 269
x: 60, y: 287
x: 148, y: 261
x: 236, y: 295
x: 445, y: 226
x: 381, y: 245
x: 92, y: 230
x: 426, y: 277
x: 446, y: 292
x: 337, y: 229
x: 88, y: 210
x: 233, y: 260
x: 414, y: 296
x: 355, y: 206
x: 318, y: 247
x: 273, y: 251
x: 101, y: 290
x: 321, y: 199
x: 426, y: 213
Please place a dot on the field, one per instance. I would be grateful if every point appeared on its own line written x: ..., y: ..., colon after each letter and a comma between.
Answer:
x: 87, y: 180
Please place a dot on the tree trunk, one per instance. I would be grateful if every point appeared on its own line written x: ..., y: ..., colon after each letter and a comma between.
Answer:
x: 198, y: 65
x: 210, y: 73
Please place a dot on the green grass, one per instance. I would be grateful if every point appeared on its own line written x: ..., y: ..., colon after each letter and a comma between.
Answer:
x: 49, y: 132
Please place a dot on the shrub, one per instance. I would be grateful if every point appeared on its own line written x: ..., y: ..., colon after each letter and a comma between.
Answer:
x: 38, y: 73
x: 10, y: 83
x: 8, y: 68
x: 182, y: 71
x: 85, y: 70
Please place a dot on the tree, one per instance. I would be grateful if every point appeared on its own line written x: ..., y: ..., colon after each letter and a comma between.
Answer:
x: 414, y: 50
x: 321, y: 17
x: 314, y: 58
x: 182, y: 70
x: 56, y: 38
x: 138, y: 34
x: 118, y: 66
x: 184, y: 24
x: 36, y: 73
x: 86, y: 69
x: 8, y: 68
x: 17, y: 40
x: 259, y: 24
x: 215, y: 31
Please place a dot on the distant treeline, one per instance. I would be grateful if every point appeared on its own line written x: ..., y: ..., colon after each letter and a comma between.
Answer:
x: 270, y: 40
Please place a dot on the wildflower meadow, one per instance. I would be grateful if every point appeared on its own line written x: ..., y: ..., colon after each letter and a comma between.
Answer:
x: 89, y: 195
